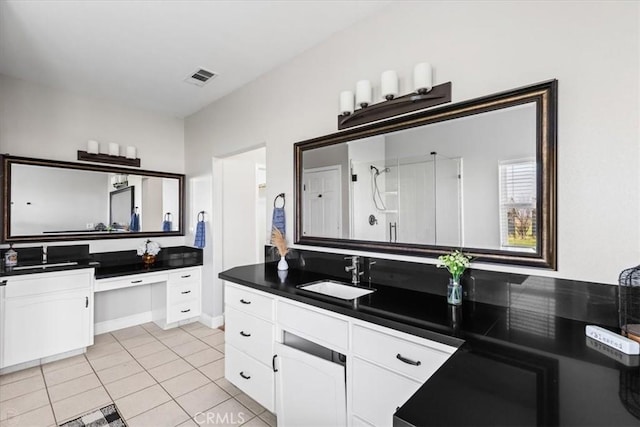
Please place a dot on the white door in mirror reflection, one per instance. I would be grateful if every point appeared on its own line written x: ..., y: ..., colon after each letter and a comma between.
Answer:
x: 322, y: 201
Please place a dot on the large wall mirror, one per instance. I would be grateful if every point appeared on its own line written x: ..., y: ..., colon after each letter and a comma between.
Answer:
x: 478, y: 175
x: 46, y: 200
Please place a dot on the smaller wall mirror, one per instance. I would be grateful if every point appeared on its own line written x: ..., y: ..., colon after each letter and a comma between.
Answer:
x: 46, y: 200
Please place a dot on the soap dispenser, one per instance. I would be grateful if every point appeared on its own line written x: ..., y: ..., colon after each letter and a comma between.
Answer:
x: 10, y: 258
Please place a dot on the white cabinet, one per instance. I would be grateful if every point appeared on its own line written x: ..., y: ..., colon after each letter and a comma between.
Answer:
x: 310, y: 391
x: 249, y: 339
x: 46, y: 314
x: 387, y: 368
x: 177, y: 297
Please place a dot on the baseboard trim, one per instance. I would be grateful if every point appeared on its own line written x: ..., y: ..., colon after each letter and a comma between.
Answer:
x: 212, y: 322
x: 122, y: 322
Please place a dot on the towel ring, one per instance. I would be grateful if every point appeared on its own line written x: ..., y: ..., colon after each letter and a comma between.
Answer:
x: 200, y: 213
x: 276, y: 200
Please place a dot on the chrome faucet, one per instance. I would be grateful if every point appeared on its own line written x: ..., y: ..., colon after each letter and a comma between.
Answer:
x: 354, y: 268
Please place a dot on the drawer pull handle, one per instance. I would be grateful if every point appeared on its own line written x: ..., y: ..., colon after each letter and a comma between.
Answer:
x: 245, y: 302
x: 185, y: 276
x: 408, y: 361
x: 273, y: 363
x: 3, y: 283
x: 136, y: 281
x: 246, y: 377
x: 188, y: 310
x: 244, y: 334
x: 185, y: 292
x: 86, y: 302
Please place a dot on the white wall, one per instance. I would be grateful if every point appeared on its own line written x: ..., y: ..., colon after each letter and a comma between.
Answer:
x: 483, y: 48
x: 37, y: 121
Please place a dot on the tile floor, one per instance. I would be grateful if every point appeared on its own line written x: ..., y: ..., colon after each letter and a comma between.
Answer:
x: 156, y: 378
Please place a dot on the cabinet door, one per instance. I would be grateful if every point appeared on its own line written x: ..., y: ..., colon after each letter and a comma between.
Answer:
x: 377, y: 392
x: 309, y: 391
x: 45, y: 325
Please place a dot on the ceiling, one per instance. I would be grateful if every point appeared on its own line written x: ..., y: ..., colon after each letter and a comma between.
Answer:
x: 140, y: 52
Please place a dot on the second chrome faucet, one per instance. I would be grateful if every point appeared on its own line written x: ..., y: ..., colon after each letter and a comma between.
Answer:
x: 354, y: 268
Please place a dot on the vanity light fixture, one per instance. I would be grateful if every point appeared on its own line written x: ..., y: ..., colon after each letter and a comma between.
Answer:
x: 425, y: 95
x: 120, y: 181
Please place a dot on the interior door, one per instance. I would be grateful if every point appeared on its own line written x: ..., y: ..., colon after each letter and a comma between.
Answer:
x: 310, y: 391
x: 322, y: 201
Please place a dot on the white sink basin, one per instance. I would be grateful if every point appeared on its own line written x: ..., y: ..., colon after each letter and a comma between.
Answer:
x: 336, y: 289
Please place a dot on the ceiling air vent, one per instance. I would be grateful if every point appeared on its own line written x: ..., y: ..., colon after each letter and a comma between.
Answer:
x: 200, y: 77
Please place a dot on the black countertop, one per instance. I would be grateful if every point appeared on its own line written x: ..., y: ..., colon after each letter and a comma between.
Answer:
x: 523, y: 357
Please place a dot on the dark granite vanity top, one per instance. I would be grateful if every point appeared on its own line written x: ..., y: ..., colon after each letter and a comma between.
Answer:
x: 523, y: 357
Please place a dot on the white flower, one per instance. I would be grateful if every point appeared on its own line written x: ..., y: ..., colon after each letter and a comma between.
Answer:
x: 148, y: 247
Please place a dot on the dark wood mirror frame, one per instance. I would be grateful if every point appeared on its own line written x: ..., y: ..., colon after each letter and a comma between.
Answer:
x: 6, y: 163
x: 544, y: 95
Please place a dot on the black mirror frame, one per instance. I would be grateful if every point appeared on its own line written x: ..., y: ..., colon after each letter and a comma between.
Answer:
x: 6, y: 163
x: 544, y: 94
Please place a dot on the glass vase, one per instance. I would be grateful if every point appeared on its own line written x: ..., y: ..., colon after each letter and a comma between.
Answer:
x: 454, y: 292
x: 148, y: 260
x: 282, y: 264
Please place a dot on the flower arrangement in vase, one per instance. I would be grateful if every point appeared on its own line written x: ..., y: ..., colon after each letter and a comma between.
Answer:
x: 456, y: 262
x: 148, y: 251
x: 280, y: 243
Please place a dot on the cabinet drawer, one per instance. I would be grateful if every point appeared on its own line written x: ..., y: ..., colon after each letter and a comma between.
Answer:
x: 315, y: 326
x: 250, y: 376
x: 43, y: 283
x: 187, y: 275
x: 183, y: 310
x: 250, y: 302
x: 182, y: 293
x: 415, y: 360
x: 250, y: 334
x: 129, y: 281
x: 378, y: 392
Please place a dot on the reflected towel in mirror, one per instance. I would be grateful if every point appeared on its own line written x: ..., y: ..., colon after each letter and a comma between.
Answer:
x: 134, y: 225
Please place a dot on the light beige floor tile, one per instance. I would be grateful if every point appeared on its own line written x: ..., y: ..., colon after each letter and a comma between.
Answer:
x: 20, y: 388
x: 65, y: 374
x: 151, y: 327
x: 20, y: 375
x: 178, y: 338
x: 147, y: 349
x: 189, y: 348
x: 42, y: 416
x: 130, y: 332
x: 80, y: 404
x: 229, y: 413
x: 111, y: 360
x: 203, y: 398
x: 138, y: 341
x: 167, y: 414
x: 214, y: 370
x: 213, y: 340
x: 204, y: 357
x: 73, y: 387
x: 121, y: 371
x: 190, y: 423
x: 131, y: 384
x: 141, y: 401
x: 224, y: 384
x: 193, y: 326
x: 23, y: 404
x: 182, y: 384
x: 170, y: 370
x: 157, y: 359
x: 220, y: 348
x: 166, y: 333
x: 97, y: 351
x: 204, y: 332
x: 63, y: 363
x: 269, y: 418
x: 103, y: 339
x: 255, y: 422
x: 254, y: 406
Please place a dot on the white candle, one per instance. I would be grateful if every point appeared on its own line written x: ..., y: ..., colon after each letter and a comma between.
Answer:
x: 131, y: 152
x: 93, y: 147
x: 363, y: 93
x: 114, y: 149
x: 389, y: 84
x: 422, y: 78
x: 346, y: 102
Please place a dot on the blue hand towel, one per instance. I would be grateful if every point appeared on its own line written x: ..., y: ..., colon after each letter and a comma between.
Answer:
x: 134, y: 225
x: 200, y: 235
x: 166, y: 224
x: 278, y: 221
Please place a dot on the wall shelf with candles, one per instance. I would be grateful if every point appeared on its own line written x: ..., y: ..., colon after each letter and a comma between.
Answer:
x: 439, y: 94
x: 107, y: 158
